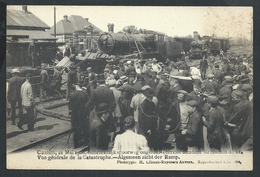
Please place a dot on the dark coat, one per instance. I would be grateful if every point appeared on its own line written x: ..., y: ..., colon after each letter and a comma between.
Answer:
x: 218, y: 75
x: 153, y: 84
x: 203, y: 65
x: 147, y: 115
x: 71, y: 78
x: 214, y: 126
x: 98, y: 134
x: 208, y: 86
x: 194, y: 132
x: 225, y: 92
x: 14, y: 89
x: 102, y: 95
x: 242, y: 117
x: 193, y: 96
x: 127, y: 92
x: 174, y: 92
x: 79, y: 120
x: 76, y: 104
x: 174, y: 114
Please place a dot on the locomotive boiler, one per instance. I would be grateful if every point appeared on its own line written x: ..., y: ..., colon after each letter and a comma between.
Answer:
x: 126, y: 43
x: 151, y: 44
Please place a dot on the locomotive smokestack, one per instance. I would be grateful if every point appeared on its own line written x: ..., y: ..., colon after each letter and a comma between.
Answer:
x: 65, y: 17
x: 110, y: 27
x: 195, y: 35
x: 86, y: 19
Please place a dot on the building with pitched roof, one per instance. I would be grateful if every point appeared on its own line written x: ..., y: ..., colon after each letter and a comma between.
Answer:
x: 76, y: 30
x: 28, y: 43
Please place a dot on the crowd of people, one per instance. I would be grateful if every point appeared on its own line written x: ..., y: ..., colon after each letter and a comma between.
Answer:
x: 148, y: 101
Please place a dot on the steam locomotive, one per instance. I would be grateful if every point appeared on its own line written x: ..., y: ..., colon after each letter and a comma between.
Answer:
x: 147, y: 43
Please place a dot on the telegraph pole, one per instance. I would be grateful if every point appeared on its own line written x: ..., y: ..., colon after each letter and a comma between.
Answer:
x: 54, y: 21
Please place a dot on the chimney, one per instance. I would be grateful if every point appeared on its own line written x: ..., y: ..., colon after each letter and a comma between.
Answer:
x: 195, y: 35
x: 86, y: 19
x: 24, y: 8
x: 65, y: 17
x: 110, y: 27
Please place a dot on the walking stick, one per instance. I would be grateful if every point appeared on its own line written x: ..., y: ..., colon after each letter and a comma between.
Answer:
x: 71, y: 130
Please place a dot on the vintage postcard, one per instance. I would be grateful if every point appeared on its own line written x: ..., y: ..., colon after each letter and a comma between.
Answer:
x: 129, y: 88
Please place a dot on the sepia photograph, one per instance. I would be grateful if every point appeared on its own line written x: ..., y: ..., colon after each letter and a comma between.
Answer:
x: 129, y: 87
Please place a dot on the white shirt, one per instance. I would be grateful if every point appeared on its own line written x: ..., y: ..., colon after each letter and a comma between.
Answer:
x: 130, y: 141
x: 26, y: 93
x: 184, y: 111
x: 135, y: 103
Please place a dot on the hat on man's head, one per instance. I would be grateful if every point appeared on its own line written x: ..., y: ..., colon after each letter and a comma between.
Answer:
x: 112, y: 82
x: 149, y: 92
x: 106, y: 70
x: 154, y: 59
x: 216, y: 66
x: 145, y: 87
x: 89, y: 68
x: 244, y: 78
x: 213, y: 99
x: 238, y: 93
x: 102, y: 108
x: 164, y: 74
x: 229, y: 79
x: 138, y: 87
x: 123, y: 78
x: 193, y: 103
x: 132, y: 74
x: 28, y: 75
x: 210, y: 76
x: 15, y: 70
x: 183, y: 92
x: 128, y: 62
x: 197, y: 82
x: 246, y: 87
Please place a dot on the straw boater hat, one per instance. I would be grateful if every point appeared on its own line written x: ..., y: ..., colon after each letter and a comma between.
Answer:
x: 15, y: 70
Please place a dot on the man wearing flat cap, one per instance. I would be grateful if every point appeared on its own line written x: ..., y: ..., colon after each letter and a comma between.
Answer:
x: 14, y: 91
x: 218, y: 74
x: 99, y: 138
x: 197, y: 95
x: 91, y: 74
x: 179, y: 115
x: 208, y: 85
x: 28, y: 104
x: 241, y: 120
x: 193, y: 130
x: 248, y: 91
x: 214, y: 124
x: 153, y: 82
x: 227, y: 89
x: 174, y: 88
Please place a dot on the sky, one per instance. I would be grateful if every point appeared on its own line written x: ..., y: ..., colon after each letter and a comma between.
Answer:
x: 171, y: 20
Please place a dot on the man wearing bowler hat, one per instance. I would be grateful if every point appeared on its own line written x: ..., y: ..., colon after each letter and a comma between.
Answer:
x: 148, y: 119
x: 99, y: 138
x: 79, y: 121
x: 14, y: 91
